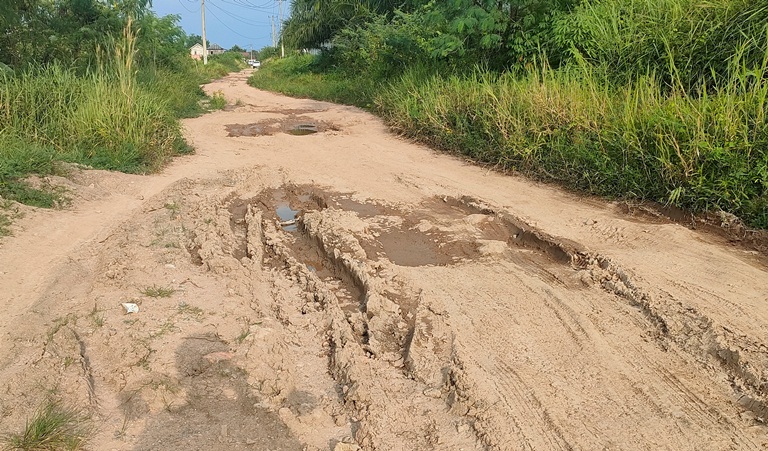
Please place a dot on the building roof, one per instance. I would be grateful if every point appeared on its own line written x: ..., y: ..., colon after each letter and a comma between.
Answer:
x: 215, y: 47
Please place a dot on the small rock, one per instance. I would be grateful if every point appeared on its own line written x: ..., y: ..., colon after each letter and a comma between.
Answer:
x: 346, y: 447
x: 433, y: 392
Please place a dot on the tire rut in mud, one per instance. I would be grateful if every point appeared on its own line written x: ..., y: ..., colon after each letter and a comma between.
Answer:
x: 382, y: 328
x: 389, y: 346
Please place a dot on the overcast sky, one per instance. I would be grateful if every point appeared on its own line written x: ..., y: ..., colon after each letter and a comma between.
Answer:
x: 228, y: 22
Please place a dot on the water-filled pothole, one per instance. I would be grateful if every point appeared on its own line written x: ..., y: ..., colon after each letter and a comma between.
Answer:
x: 303, y: 129
x: 293, y: 125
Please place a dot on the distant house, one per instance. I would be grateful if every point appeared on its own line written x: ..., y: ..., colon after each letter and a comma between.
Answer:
x: 196, y: 51
x: 215, y: 49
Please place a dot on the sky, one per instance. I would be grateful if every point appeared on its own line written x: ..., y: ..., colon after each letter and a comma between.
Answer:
x: 245, y: 23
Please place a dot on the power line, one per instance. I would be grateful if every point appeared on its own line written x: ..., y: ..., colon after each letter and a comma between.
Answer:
x: 230, y: 29
x: 262, y: 8
x: 188, y: 10
x: 235, y: 17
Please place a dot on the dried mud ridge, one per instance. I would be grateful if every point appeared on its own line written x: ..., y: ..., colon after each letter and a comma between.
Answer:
x: 306, y: 322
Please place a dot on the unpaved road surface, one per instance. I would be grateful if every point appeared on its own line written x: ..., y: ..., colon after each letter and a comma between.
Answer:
x: 347, y: 289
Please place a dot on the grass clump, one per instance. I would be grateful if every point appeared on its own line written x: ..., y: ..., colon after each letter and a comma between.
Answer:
x: 156, y: 291
x: 5, y: 222
x: 217, y: 102
x: 7, y: 214
x: 54, y: 427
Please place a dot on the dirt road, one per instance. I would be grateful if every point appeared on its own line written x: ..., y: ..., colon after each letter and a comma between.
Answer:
x: 307, y: 280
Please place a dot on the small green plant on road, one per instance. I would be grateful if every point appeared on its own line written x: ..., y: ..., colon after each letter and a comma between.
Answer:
x: 155, y: 291
x: 54, y: 427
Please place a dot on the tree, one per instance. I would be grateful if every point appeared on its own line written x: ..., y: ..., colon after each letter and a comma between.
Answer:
x: 315, y: 22
x: 160, y: 40
x: 193, y: 39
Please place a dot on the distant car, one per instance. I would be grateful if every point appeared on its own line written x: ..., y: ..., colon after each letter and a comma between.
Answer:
x: 254, y: 63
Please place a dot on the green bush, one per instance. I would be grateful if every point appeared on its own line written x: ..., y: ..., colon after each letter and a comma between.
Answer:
x: 691, y: 41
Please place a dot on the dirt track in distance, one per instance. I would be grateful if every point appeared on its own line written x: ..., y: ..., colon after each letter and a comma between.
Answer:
x: 325, y: 285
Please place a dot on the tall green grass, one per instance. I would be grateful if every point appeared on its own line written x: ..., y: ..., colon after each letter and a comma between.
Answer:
x: 97, y: 119
x: 117, y: 116
x: 702, y: 151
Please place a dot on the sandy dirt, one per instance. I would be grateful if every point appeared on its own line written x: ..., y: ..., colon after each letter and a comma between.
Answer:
x: 307, y: 280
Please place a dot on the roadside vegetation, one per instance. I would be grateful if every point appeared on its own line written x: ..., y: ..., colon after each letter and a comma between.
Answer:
x: 54, y: 427
x: 94, y: 83
x: 661, y: 100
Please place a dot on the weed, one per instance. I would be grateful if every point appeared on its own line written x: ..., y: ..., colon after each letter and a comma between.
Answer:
x: 245, y: 331
x: 156, y: 291
x: 97, y: 318
x: 54, y: 427
x: 5, y: 222
x: 217, y: 102
x: 173, y: 208
x: 167, y: 327
x: 120, y: 433
x: 58, y: 323
x: 143, y: 362
x: 243, y: 334
x: 185, y: 308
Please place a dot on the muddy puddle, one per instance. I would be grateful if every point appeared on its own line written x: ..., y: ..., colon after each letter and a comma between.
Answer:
x: 456, y: 229
x: 410, y: 247
x: 292, y: 125
x: 303, y: 129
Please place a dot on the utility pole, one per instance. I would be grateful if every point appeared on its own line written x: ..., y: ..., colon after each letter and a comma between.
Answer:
x: 282, y: 45
x: 274, y: 35
x: 205, y: 46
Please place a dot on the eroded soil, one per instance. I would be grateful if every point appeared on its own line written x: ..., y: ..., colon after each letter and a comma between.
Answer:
x: 346, y: 290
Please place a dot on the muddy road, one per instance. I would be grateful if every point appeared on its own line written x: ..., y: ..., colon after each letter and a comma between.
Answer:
x: 307, y: 280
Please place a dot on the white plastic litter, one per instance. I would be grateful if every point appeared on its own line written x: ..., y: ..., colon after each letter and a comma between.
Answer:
x: 130, y: 307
